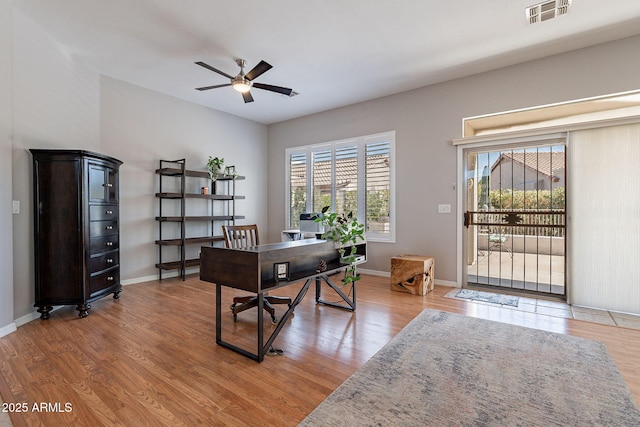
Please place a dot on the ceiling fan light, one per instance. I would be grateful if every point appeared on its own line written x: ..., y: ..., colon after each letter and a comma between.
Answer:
x: 241, y: 84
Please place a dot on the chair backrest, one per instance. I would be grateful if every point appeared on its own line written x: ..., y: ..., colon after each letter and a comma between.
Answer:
x: 240, y: 236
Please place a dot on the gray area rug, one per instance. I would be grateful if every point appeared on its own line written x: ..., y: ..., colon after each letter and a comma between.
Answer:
x: 488, y: 297
x: 446, y: 369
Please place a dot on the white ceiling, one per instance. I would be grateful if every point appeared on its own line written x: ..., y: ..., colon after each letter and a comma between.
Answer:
x: 333, y: 53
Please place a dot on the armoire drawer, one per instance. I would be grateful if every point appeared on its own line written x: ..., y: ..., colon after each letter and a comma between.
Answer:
x: 104, y: 261
x: 103, y: 244
x: 103, y: 212
x: 104, y: 280
x: 102, y: 228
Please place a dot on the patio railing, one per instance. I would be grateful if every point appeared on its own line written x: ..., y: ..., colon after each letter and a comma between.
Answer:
x: 521, y: 222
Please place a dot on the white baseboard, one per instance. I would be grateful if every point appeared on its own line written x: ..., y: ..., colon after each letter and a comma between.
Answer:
x: 388, y: 274
x: 32, y: 316
x: 27, y: 318
x: 374, y: 272
x: 138, y: 280
x: 6, y: 330
x: 168, y: 275
x: 446, y: 283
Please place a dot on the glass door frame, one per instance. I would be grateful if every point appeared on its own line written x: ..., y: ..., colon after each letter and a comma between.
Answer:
x: 488, y: 144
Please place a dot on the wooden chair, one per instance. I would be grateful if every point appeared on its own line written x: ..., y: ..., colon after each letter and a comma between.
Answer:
x: 243, y: 236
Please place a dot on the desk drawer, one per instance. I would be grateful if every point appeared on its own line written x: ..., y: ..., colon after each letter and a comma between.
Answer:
x: 103, y: 228
x: 103, y: 212
x: 104, y: 261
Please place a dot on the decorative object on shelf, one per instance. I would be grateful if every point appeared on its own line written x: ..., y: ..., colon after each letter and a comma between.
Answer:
x: 347, y: 232
x: 215, y: 166
x: 230, y: 172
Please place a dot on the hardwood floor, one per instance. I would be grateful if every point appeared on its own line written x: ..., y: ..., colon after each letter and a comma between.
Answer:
x: 150, y: 357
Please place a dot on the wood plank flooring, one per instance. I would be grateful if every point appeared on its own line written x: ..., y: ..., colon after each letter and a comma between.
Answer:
x: 150, y: 357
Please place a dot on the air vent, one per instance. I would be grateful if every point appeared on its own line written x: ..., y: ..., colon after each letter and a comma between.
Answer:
x: 547, y: 10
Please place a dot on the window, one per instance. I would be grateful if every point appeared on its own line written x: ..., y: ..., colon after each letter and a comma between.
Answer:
x: 354, y: 175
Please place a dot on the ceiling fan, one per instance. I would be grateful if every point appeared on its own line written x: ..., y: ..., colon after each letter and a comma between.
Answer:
x: 243, y: 82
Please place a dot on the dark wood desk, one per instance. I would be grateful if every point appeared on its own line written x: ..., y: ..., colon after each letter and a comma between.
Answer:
x: 253, y: 269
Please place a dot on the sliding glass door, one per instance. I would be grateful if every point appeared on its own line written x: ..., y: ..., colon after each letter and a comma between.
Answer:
x: 515, y: 218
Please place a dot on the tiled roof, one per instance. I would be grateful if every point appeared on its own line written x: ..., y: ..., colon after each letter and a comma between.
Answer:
x: 544, y: 162
x: 346, y: 171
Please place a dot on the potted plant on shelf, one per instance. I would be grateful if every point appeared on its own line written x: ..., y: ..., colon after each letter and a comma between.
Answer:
x: 215, y: 166
x: 347, y: 232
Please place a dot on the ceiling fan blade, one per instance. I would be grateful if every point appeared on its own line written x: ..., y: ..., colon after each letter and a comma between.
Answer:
x: 215, y: 70
x: 247, y: 97
x: 212, y: 87
x: 278, y: 89
x: 258, y: 70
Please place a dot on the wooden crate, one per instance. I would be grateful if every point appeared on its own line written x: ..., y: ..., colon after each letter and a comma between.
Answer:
x: 412, y: 273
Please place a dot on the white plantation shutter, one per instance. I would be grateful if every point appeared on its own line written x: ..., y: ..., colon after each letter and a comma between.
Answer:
x: 298, y: 181
x: 346, y: 172
x: 378, y: 185
x: 322, y: 179
x: 354, y: 175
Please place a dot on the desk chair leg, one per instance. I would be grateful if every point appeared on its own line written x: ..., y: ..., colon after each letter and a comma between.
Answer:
x: 237, y: 307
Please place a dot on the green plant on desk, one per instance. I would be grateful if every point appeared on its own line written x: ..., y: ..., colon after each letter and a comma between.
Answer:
x: 347, y: 232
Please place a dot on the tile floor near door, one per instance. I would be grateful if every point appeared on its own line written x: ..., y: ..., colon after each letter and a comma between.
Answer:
x: 562, y: 309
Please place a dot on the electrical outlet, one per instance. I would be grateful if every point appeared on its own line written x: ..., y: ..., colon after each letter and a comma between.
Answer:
x: 444, y: 208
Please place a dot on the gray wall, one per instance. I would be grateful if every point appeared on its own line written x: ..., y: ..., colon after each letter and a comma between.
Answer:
x: 60, y: 103
x: 140, y: 127
x: 427, y: 119
x: 6, y: 250
x: 55, y: 105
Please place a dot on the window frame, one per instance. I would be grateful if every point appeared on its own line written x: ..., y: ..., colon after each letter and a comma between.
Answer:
x: 361, y: 144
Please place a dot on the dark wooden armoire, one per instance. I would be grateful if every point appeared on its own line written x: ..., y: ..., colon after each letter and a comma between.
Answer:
x: 75, y: 203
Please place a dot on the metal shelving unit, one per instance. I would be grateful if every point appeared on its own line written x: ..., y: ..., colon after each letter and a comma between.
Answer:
x: 179, y: 229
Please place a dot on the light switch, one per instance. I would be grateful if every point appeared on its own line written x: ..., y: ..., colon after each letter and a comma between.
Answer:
x: 16, y: 207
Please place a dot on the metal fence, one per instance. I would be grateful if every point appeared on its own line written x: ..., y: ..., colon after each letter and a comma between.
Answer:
x: 521, y: 222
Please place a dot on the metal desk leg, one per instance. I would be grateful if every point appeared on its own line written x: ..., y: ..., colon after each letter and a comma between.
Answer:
x: 283, y: 320
x: 218, y: 314
x: 262, y: 347
x: 260, y: 352
x: 350, y: 302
